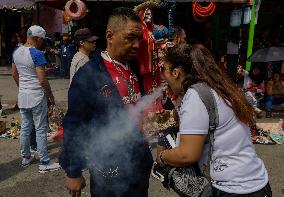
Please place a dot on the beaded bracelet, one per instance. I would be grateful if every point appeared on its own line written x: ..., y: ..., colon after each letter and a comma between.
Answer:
x: 161, y: 157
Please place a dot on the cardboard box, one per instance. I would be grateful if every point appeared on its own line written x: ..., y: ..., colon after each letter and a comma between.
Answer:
x: 2, y: 126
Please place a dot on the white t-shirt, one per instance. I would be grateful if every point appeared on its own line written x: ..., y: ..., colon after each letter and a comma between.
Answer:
x: 27, y: 59
x: 232, y: 48
x: 79, y: 60
x: 236, y: 167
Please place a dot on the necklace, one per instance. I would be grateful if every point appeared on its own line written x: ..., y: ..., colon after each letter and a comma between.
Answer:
x: 129, y: 82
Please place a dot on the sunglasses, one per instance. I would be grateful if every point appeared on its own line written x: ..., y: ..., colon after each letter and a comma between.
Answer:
x: 163, y: 68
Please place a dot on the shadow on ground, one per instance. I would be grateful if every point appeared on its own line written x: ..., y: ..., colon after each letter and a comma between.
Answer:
x: 37, y: 187
x: 13, y: 167
x: 10, y: 111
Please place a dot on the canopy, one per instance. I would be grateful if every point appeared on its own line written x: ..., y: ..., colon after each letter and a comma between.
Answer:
x: 59, y: 4
x: 18, y: 4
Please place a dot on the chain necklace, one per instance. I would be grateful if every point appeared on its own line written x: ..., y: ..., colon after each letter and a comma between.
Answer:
x: 129, y: 83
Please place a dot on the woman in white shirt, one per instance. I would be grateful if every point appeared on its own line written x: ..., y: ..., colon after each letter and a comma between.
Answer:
x: 235, y: 168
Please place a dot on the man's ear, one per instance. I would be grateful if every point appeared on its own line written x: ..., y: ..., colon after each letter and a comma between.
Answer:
x: 109, y: 35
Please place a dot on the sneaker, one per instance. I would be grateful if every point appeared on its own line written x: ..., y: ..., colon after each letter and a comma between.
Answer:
x: 48, y: 167
x: 27, y: 161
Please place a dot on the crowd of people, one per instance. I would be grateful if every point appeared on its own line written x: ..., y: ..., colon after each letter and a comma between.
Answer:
x: 101, y: 133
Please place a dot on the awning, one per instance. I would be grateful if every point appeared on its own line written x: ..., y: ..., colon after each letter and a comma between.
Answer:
x: 221, y: 1
x: 59, y: 4
x: 18, y: 4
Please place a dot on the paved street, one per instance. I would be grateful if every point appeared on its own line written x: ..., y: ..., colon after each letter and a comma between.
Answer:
x: 16, y: 181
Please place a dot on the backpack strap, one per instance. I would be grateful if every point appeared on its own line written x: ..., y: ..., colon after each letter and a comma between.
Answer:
x: 206, y: 95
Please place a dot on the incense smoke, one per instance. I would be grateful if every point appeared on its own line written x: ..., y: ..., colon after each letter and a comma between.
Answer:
x: 114, y: 142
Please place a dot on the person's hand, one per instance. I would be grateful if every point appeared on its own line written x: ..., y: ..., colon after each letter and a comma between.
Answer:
x: 159, y: 150
x: 50, y: 110
x: 75, y: 185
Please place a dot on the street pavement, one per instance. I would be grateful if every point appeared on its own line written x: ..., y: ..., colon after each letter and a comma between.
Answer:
x: 27, y: 182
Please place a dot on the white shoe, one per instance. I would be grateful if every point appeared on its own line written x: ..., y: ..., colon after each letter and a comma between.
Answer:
x: 26, y: 162
x: 48, y: 167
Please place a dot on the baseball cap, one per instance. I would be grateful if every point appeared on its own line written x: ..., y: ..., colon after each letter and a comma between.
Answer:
x: 36, y: 31
x: 84, y: 35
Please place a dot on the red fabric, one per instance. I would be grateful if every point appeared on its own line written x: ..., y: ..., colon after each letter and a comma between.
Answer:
x: 120, y: 84
x: 59, y: 134
x: 148, y: 64
x: 150, y: 81
x: 147, y: 46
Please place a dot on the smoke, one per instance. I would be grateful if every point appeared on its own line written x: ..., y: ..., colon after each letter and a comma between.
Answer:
x: 115, y: 147
x: 146, y: 101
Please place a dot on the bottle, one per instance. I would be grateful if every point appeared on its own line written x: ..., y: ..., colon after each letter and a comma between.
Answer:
x: 17, y: 125
x: 13, y: 124
x: 281, y: 124
x: 1, y: 108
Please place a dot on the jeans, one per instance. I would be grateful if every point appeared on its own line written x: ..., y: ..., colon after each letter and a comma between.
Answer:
x: 37, y: 116
x: 33, y: 138
x: 270, y: 100
x: 65, y: 67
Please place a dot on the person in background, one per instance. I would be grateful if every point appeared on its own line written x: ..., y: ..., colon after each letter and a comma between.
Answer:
x: 233, y: 151
x: 275, y: 93
x: 253, y: 86
x: 56, y: 49
x: 97, y: 129
x: 179, y: 35
x: 34, y: 93
x: 67, y: 51
x: 232, y: 56
x: 19, y: 38
x: 86, y: 43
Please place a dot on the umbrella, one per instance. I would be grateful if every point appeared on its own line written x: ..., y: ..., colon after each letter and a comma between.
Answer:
x: 271, y: 54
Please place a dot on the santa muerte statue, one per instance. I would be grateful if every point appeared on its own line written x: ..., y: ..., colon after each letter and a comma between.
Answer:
x: 153, y: 44
x: 147, y: 57
x: 150, y: 57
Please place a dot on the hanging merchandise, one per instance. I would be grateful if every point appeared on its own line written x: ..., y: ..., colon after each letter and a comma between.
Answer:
x: 76, y: 9
x: 200, y: 13
x: 257, y: 7
x: 66, y: 18
x: 236, y: 17
x: 247, y: 15
x: 171, y: 20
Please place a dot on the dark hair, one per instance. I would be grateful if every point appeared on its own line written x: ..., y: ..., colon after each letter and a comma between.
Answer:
x: 119, y: 17
x: 178, y: 30
x: 199, y: 66
x: 258, y: 79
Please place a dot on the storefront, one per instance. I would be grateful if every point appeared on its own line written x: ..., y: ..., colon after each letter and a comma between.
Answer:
x: 15, y: 17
